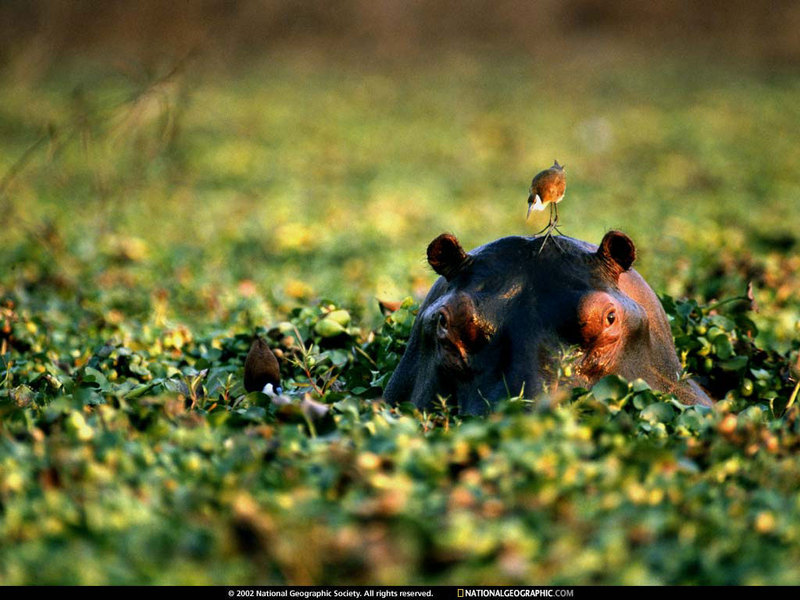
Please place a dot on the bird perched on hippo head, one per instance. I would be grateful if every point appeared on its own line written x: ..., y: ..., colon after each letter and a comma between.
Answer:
x: 547, y: 189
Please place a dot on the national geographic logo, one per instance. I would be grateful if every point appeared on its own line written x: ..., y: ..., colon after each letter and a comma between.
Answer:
x: 515, y: 593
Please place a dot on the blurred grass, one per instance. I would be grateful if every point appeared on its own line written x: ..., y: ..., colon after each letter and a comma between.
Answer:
x: 328, y: 177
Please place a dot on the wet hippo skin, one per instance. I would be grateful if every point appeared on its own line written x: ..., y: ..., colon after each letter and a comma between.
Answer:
x: 498, y: 320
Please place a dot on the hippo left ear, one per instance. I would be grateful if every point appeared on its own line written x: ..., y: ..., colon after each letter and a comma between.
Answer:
x: 617, y: 251
x: 446, y: 255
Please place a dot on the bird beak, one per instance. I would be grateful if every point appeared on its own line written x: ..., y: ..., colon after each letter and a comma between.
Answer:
x: 530, y: 207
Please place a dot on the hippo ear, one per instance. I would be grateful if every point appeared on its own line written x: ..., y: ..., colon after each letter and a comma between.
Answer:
x: 617, y: 251
x: 446, y: 255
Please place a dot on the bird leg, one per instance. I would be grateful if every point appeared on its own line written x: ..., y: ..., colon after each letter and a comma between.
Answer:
x: 544, y: 241
x: 549, y: 235
x: 549, y: 225
x: 555, y: 223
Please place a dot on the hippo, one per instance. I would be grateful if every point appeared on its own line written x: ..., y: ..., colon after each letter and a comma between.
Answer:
x: 500, y: 318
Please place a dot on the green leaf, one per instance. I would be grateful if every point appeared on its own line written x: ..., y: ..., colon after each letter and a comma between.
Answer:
x: 328, y: 328
x: 737, y: 363
x: 252, y: 413
x: 644, y: 398
x: 658, y: 412
x: 610, y: 387
x: 91, y: 375
x: 723, y: 347
x: 339, y: 357
x: 722, y: 322
x: 218, y: 417
x: 341, y: 316
x: 691, y: 420
x: 141, y: 389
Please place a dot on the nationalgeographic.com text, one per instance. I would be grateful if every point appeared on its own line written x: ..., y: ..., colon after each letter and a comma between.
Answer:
x: 517, y: 593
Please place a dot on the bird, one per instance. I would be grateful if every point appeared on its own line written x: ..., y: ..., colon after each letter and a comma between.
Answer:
x: 548, y: 187
x: 261, y: 370
x: 262, y: 373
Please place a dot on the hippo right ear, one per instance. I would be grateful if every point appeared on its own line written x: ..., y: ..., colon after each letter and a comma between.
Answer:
x: 617, y: 251
x: 446, y: 255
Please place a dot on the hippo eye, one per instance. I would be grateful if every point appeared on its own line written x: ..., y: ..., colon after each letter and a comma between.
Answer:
x: 611, y: 317
x: 441, y: 322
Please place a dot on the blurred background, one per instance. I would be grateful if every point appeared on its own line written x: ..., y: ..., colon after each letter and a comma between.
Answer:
x: 222, y: 162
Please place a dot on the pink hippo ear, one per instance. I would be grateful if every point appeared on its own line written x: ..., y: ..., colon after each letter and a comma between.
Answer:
x: 446, y: 255
x: 617, y: 251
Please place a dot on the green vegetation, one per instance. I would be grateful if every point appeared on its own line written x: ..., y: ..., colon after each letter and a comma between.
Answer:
x: 153, y: 223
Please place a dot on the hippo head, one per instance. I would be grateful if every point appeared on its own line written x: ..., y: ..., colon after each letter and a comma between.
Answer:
x: 499, y: 319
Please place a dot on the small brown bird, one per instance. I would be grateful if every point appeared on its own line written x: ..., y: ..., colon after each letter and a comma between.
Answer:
x: 262, y: 373
x: 548, y: 187
x: 261, y: 370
